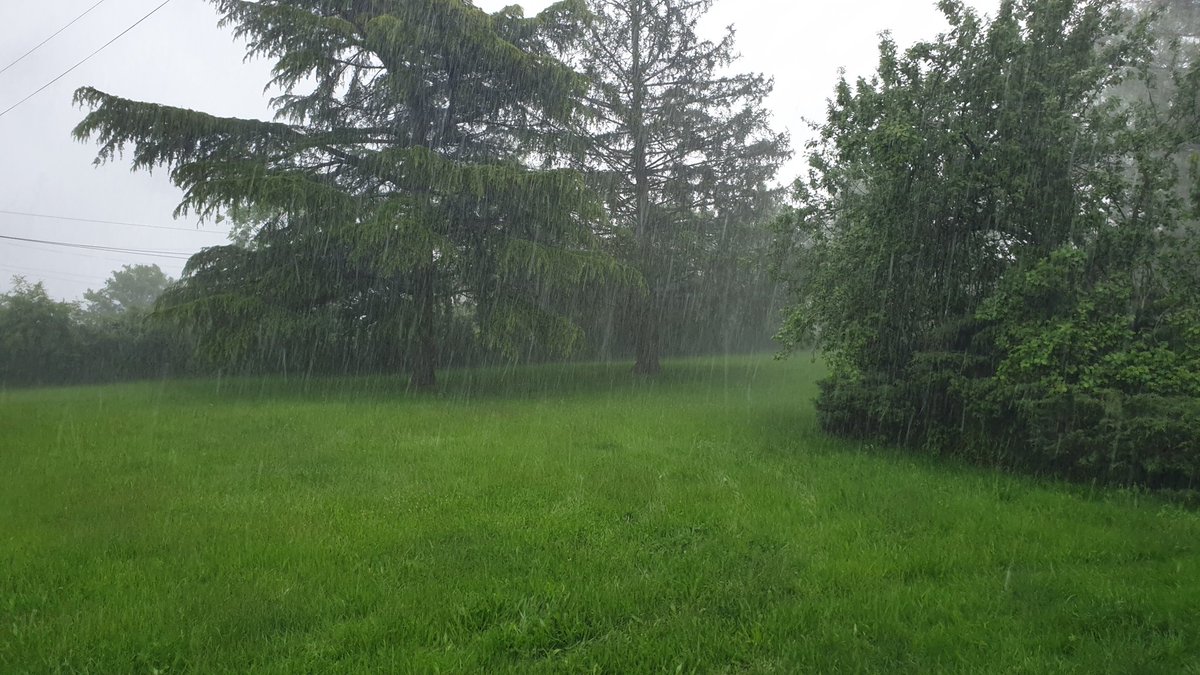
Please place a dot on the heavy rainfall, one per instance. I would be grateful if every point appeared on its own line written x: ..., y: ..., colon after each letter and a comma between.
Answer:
x: 600, y: 336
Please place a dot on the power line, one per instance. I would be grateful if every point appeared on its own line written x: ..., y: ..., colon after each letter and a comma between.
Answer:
x: 50, y: 274
x: 39, y: 45
x: 177, y: 255
x: 38, y: 270
x: 108, y: 222
x: 86, y: 58
x: 89, y: 255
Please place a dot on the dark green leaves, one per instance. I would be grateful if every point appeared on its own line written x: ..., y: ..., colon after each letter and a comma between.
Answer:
x: 989, y: 244
x: 394, y: 189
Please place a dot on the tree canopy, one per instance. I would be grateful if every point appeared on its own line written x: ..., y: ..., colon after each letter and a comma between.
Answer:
x: 394, y: 188
x: 680, y: 149
x: 44, y: 341
x: 39, y: 340
x: 993, y: 247
x: 133, y: 288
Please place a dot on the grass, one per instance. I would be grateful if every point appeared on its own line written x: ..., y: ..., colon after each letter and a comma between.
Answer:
x: 557, y: 518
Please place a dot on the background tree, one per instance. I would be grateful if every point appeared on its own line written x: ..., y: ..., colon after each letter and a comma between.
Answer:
x: 122, y: 340
x: 677, y: 147
x: 40, y: 342
x: 990, y: 243
x: 394, y: 182
x: 133, y: 288
x: 49, y: 342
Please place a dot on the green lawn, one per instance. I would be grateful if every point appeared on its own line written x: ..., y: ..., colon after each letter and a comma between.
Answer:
x: 564, y: 518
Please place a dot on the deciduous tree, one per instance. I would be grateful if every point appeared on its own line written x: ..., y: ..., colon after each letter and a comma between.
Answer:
x: 133, y: 288
x: 992, y: 245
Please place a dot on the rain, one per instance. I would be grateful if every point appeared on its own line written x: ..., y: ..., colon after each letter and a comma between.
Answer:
x: 600, y: 335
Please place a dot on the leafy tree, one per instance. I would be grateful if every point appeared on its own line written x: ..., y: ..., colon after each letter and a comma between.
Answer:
x: 393, y: 188
x: 121, y: 338
x: 992, y: 245
x: 677, y: 146
x: 133, y: 288
x: 39, y: 338
x: 45, y: 341
x: 931, y: 178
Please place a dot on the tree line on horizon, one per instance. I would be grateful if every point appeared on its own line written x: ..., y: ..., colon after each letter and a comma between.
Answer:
x: 106, y: 337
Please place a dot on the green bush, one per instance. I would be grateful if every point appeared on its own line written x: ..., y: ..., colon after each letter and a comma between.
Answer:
x: 1012, y: 287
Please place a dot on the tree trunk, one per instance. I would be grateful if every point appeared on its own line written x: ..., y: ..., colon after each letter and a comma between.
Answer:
x: 646, y: 341
x: 424, y: 367
x: 646, y: 326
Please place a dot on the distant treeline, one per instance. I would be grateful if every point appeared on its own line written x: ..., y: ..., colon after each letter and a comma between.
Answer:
x: 107, y: 338
x: 115, y: 334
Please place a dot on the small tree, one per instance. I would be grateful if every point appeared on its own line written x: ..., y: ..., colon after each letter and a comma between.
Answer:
x: 993, y: 246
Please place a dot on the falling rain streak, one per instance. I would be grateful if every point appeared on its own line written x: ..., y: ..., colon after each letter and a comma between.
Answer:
x: 481, y: 378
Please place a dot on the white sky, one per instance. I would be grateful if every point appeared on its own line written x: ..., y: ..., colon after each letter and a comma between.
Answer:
x: 180, y: 57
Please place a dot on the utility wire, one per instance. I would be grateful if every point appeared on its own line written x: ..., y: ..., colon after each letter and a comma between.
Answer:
x: 108, y: 222
x: 177, y: 255
x: 86, y: 58
x: 61, y: 276
x: 39, y: 45
x: 88, y: 255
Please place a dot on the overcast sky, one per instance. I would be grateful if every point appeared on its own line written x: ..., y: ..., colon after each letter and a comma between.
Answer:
x: 180, y: 57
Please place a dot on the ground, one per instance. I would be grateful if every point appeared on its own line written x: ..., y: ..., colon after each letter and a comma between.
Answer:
x: 554, y: 518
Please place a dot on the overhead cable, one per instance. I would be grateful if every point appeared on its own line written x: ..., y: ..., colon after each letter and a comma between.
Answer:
x: 86, y: 58
x: 177, y: 255
x: 108, y: 222
x: 52, y: 36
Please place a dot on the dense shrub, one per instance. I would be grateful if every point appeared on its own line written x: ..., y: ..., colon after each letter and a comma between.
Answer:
x: 46, y: 342
x: 998, y: 243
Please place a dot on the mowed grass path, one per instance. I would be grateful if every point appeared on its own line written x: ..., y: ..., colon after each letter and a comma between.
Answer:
x: 559, y: 518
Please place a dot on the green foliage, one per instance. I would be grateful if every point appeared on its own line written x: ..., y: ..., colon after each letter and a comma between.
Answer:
x: 1099, y: 368
x: 39, y: 338
x: 397, y: 172
x: 682, y: 152
x: 724, y: 298
x: 44, y: 341
x: 133, y: 288
x: 994, y: 246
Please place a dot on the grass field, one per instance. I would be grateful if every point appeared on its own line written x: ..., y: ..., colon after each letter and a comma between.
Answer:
x: 559, y: 518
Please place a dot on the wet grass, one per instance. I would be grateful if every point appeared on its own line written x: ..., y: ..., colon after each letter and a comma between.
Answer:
x: 557, y: 518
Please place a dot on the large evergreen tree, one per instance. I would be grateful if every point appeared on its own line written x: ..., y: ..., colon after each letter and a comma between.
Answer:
x: 393, y: 189
x: 678, y: 147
